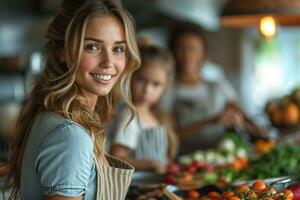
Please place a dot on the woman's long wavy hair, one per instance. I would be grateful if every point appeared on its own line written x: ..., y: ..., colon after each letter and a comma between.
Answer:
x: 56, y: 90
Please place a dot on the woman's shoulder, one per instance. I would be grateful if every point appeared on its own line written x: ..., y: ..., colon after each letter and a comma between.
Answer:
x: 48, y: 124
x: 51, y: 119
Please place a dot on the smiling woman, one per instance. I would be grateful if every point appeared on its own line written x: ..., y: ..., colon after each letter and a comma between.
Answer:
x: 103, y: 58
x: 58, y: 150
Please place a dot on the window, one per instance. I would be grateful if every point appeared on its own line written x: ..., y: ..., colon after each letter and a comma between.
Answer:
x: 271, y: 69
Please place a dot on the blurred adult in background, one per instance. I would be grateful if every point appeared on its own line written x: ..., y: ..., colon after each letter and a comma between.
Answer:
x: 203, y: 109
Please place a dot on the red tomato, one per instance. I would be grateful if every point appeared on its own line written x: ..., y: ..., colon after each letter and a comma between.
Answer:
x: 242, y: 188
x: 227, y: 195
x: 193, y: 194
x: 213, y: 194
x: 174, y: 168
x: 169, y: 179
x: 259, y: 185
x: 234, y: 198
x: 192, y: 169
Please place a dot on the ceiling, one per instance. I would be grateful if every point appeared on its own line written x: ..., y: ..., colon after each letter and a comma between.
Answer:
x: 163, y: 12
x: 147, y: 13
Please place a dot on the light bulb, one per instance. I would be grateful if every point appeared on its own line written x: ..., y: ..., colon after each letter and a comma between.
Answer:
x: 268, y: 27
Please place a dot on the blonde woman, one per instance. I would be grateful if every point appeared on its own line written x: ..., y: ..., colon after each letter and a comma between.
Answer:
x: 58, y: 152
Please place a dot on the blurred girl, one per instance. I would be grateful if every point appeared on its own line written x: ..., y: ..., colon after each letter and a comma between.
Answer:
x: 58, y: 151
x: 148, y: 142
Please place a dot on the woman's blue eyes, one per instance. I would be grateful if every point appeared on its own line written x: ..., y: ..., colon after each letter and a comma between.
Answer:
x: 119, y: 49
x: 94, y: 48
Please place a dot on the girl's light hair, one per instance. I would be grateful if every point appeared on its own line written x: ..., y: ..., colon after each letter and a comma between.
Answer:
x: 56, y: 89
x: 151, y: 53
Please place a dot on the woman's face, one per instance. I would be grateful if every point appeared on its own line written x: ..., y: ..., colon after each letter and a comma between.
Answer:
x: 148, y: 83
x: 189, y: 53
x: 104, y: 58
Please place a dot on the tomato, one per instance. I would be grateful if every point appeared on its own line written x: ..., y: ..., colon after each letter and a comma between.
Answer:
x: 259, y: 185
x: 209, y: 168
x: 192, y: 168
x: 174, y: 168
x: 237, y: 165
x: 288, y: 194
x: 227, y: 195
x: 234, y: 198
x: 242, y: 188
x: 213, y: 194
x: 170, y: 179
x: 186, y: 177
x: 193, y: 194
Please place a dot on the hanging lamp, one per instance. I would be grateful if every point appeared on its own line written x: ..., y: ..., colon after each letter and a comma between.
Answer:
x: 250, y: 12
x: 265, y: 14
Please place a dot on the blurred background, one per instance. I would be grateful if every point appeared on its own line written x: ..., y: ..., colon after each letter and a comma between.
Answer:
x: 259, y: 67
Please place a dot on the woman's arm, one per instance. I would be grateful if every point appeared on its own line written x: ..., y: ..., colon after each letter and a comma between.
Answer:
x: 122, y: 152
x: 231, y: 116
x: 241, y: 120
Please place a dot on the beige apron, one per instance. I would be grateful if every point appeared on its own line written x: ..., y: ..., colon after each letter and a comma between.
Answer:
x: 152, y: 144
x: 113, y: 180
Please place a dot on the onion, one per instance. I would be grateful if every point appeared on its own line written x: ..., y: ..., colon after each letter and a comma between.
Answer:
x: 295, y: 188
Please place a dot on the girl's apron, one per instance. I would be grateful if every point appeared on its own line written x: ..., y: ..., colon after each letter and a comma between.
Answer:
x: 114, y: 179
x: 152, y: 144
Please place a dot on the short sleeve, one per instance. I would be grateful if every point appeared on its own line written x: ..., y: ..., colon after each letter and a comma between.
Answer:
x: 227, y: 90
x: 65, y: 161
x: 123, y: 134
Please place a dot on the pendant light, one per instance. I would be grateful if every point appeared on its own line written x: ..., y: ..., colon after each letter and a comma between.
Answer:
x: 265, y: 14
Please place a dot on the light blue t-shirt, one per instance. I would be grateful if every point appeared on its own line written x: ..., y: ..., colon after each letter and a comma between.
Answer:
x: 58, y: 160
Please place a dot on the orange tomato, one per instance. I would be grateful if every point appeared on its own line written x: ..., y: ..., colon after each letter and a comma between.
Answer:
x: 242, y: 188
x: 193, y: 194
x: 214, y: 196
x: 234, y: 198
x: 244, y: 162
x: 290, y: 114
x: 227, y: 195
x: 259, y: 185
x: 186, y: 177
x: 288, y: 194
x: 237, y: 165
x: 263, y: 146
